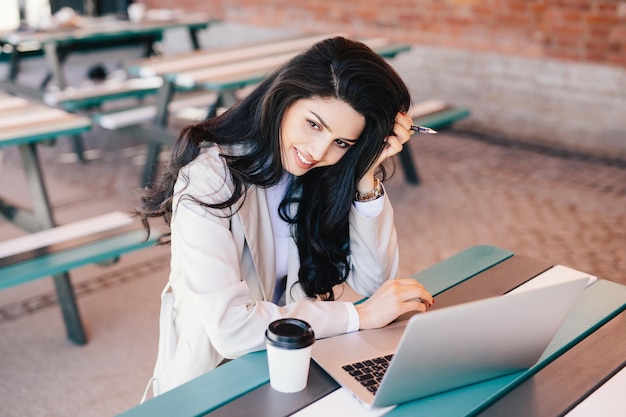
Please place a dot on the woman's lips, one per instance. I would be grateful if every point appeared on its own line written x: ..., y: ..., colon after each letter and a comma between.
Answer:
x: 303, y: 161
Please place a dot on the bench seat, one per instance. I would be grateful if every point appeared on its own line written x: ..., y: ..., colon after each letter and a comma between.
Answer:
x: 63, y: 248
x: 56, y: 251
x: 194, y: 103
x: 23, y: 121
x: 436, y: 114
x: 81, y: 98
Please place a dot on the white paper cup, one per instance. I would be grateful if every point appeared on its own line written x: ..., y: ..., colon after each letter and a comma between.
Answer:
x: 289, y: 343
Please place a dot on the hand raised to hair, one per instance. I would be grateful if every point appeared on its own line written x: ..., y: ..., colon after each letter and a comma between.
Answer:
x: 393, y: 144
x: 394, y: 298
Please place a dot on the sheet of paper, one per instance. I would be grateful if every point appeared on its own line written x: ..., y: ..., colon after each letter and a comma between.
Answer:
x: 340, y: 403
x: 554, y: 275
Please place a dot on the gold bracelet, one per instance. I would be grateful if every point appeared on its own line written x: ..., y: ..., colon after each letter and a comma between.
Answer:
x: 376, y: 193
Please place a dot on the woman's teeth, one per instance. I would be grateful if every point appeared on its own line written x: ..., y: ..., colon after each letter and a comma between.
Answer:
x: 303, y: 159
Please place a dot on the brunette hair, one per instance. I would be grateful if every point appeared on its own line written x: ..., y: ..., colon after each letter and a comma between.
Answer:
x: 334, y: 68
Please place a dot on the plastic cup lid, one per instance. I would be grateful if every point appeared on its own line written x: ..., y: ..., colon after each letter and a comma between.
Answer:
x: 290, y: 334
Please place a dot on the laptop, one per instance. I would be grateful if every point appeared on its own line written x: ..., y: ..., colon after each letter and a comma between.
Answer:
x: 451, y: 347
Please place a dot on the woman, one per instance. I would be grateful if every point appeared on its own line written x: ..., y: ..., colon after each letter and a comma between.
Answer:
x: 274, y: 211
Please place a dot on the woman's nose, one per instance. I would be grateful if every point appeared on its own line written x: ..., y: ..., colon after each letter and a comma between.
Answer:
x: 319, y: 149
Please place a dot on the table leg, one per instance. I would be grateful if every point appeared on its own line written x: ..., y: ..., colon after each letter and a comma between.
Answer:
x: 54, y: 58
x: 43, y: 219
x: 408, y: 166
x: 42, y: 210
x: 193, y: 36
x: 14, y: 64
x: 79, y: 148
x: 69, y: 309
x: 160, y: 122
x: 225, y: 99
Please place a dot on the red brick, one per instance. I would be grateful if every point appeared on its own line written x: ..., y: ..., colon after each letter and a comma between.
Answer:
x: 557, y: 28
x: 618, y: 34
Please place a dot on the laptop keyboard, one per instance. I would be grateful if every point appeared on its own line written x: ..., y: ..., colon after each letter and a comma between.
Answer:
x: 370, y: 372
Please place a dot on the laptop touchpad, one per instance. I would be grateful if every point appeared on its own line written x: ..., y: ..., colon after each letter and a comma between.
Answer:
x: 386, y: 339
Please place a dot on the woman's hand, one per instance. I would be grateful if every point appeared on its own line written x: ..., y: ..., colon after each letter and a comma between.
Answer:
x: 393, y: 144
x: 394, y: 298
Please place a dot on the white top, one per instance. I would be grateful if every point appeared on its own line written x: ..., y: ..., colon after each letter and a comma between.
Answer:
x: 282, y: 235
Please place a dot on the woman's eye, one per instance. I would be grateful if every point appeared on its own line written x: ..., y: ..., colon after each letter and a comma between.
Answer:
x: 313, y: 124
x: 342, y: 144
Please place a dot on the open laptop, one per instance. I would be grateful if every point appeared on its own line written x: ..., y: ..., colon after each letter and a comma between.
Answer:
x: 451, y: 347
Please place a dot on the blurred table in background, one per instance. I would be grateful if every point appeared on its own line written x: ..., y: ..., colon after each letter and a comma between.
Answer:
x: 90, y: 34
x: 25, y: 124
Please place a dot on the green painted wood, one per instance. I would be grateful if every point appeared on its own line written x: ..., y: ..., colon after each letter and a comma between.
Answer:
x: 208, y: 391
x: 460, y: 267
x: 63, y: 261
x: 42, y: 137
x: 390, y: 51
x: 97, y: 100
x: 442, y: 118
x: 598, y: 304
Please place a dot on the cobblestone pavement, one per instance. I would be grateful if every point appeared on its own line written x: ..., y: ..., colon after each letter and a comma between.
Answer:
x: 563, y: 209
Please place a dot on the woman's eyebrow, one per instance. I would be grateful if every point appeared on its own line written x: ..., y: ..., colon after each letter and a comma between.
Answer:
x: 319, y: 118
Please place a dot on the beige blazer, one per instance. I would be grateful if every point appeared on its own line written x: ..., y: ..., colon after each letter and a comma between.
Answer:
x: 223, y: 276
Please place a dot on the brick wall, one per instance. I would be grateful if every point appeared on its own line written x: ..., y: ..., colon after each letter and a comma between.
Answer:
x: 550, y: 72
x: 582, y: 30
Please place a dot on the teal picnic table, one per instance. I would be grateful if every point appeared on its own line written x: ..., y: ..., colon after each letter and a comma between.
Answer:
x: 49, y: 249
x: 588, y: 350
x: 89, y: 34
x: 25, y: 124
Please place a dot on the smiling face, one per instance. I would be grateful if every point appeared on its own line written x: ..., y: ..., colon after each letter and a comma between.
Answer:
x: 317, y: 132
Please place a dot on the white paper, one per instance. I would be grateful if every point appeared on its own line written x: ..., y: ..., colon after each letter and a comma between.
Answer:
x: 340, y: 403
x: 554, y: 275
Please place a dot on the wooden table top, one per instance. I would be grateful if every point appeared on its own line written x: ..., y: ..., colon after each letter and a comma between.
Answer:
x: 24, y: 121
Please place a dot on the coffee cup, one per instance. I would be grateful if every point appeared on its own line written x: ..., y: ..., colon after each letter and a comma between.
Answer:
x: 289, y: 342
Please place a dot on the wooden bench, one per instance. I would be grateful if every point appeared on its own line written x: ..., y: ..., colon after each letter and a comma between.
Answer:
x: 102, y: 103
x: 76, y: 99
x: 25, y: 121
x: 55, y: 251
x: 87, y: 98
x: 185, y: 108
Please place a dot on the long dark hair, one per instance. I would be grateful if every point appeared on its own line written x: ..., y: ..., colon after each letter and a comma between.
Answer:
x: 334, y: 68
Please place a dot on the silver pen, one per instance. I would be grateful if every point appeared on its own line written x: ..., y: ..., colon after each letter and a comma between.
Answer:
x: 422, y: 129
